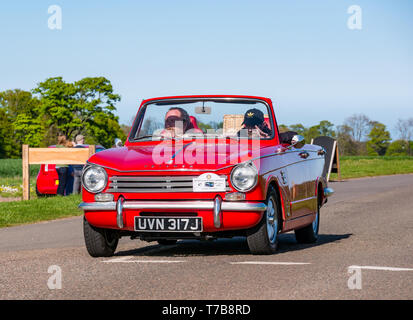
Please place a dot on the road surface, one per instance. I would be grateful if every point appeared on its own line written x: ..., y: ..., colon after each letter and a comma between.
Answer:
x: 365, y: 251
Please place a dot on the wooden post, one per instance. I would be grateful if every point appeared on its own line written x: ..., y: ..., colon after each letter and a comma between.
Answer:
x: 26, y: 172
x: 92, y: 150
x: 338, y: 164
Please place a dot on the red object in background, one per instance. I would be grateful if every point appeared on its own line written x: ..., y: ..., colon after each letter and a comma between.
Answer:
x: 48, y: 180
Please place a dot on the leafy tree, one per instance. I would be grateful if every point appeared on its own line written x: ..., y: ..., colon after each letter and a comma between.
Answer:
x: 17, y: 101
x: 25, y: 126
x: 86, y: 106
x: 379, y: 139
x: 398, y: 148
x: 283, y: 128
x: 57, y: 104
x: 326, y: 128
x: 405, y: 130
x: 29, y: 130
x: 299, y: 128
x: 7, y: 148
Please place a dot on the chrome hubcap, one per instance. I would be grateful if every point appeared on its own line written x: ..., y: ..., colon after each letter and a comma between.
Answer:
x: 272, y: 222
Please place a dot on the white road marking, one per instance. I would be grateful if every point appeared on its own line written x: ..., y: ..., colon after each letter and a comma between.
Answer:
x: 127, y: 260
x: 271, y: 263
x: 380, y: 268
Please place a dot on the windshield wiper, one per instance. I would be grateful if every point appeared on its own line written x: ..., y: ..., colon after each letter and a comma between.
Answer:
x: 143, y: 137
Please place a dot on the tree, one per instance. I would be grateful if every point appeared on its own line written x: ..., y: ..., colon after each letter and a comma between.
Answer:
x: 17, y: 101
x: 57, y: 104
x: 86, y: 106
x: 21, y: 111
x: 283, y: 128
x: 299, y: 128
x: 405, y: 130
x: 379, y: 139
x: 7, y: 149
x: 346, y: 143
x: 326, y: 128
x: 359, y: 124
x: 397, y: 148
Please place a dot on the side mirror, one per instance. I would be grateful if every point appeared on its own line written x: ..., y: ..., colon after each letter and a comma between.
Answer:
x: 298, y: 141
x: 118, y: 143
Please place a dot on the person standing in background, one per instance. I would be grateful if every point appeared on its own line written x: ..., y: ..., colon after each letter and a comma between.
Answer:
x: 62, y: 170
x: 77, y: 168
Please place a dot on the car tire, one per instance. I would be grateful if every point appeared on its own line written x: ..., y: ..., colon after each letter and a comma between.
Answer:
x: 309, y: 234
x: 263, y: 239
x: 38, y: 194
x: 99, y: 242
x: 167, y: 242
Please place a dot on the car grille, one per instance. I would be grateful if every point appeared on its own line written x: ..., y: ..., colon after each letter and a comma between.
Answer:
x: 149, y: 184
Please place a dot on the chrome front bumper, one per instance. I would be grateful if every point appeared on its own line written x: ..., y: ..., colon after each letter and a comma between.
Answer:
x: 178, y: 205
x: 217, y: 205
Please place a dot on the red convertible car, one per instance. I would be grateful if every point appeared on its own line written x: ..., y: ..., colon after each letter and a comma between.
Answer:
x: 204, y: 167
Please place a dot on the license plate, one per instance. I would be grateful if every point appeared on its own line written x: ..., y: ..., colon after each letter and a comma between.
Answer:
x: 168, y: 224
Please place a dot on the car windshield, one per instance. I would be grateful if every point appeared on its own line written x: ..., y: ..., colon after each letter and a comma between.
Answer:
x: 172, y: 119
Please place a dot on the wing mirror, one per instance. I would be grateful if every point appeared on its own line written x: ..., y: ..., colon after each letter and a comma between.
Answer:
x: 298, y: 141
x: 118, y: 143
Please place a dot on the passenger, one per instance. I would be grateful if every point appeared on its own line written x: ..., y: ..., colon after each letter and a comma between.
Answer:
x: 62, y: 170
x: 254, y: 125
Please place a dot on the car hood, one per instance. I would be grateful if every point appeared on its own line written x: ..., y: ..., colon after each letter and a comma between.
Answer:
x: 184, y: 156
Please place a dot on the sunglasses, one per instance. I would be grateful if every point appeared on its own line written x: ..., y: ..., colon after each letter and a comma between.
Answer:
x: 170, y: 121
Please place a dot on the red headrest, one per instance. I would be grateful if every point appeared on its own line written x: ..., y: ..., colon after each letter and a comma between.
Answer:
x: 194, y: 122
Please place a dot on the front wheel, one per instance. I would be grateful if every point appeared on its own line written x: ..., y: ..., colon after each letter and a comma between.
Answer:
x: 264, y: 238
x: 99, y: 242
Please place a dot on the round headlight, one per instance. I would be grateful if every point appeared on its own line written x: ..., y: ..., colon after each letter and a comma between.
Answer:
x: 244, y: 177
x: 94, y: 179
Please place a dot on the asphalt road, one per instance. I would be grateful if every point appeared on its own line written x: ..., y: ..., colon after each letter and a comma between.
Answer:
x: 367, y: 226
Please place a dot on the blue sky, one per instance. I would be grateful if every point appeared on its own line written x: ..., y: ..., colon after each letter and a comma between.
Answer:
x: 301, y: 54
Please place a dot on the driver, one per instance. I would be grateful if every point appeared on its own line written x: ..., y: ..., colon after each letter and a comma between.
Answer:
x: 254, y: 125
x: 177, y: 122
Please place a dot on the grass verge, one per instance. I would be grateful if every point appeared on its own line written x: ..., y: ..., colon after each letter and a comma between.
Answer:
x: 36, y: 210
x: 13, y: 167
x: 357, y: 167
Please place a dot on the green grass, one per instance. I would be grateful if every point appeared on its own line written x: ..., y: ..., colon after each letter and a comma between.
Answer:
x: 369, y: 166
x: 9, y: 184
x: 41, y: 209
x: 13, y: 168
x: 11, y: 178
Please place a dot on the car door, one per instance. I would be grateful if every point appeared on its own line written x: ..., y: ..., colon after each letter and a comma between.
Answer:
x: 301, y: 182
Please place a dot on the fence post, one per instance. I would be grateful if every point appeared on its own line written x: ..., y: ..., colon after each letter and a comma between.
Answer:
x: 92, y: 150
x: 26, y: 172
